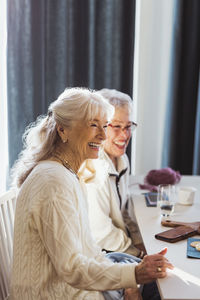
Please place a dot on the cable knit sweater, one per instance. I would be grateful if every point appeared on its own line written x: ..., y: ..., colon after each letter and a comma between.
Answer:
x: 54, y: 255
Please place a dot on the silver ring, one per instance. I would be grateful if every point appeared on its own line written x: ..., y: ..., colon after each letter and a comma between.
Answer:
x: 159, y: 269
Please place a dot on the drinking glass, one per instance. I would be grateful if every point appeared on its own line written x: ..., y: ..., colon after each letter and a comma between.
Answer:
x: 166, y: 199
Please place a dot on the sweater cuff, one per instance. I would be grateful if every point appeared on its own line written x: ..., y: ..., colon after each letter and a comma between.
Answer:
x: 128, y: 275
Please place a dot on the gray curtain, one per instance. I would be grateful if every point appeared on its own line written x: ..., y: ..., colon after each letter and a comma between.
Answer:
x: 182, y: 130
x: 65, y: 43
x: 196, y: 154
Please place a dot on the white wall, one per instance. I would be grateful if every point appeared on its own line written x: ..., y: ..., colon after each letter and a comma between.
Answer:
x: 154, y: 20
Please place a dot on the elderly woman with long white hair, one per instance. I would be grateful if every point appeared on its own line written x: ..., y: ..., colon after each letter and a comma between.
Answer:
x: 55, y: 256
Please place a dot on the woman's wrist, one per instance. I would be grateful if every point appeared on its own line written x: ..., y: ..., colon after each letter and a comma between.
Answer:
x: 142, y: 254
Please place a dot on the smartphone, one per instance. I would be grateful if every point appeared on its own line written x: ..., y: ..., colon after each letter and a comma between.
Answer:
x: 151, y: 199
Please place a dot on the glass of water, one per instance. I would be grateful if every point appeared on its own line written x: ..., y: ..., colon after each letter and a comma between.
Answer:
x: 166, y: 199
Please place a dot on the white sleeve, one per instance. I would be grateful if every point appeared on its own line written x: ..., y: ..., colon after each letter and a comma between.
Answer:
x: 107, y: 235
x: 57, y: 219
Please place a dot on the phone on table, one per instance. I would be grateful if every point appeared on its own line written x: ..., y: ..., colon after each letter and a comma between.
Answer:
x: 151, y: 199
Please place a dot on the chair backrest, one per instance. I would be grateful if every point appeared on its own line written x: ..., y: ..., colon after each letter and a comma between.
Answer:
x: 7, y: 211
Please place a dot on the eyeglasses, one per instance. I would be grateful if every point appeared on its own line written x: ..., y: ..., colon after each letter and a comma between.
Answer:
x: 129, y: 128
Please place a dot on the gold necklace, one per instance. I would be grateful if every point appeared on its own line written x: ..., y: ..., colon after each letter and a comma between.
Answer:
x: 66, y: 164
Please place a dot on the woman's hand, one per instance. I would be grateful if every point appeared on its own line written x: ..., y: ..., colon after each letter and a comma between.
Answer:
x: 152, y: 267
x: 132, y: 294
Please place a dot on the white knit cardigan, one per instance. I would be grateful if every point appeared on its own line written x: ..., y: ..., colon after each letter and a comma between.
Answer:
x: 55, y: 256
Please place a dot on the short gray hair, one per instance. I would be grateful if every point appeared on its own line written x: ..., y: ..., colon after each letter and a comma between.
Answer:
x: 116, y: 98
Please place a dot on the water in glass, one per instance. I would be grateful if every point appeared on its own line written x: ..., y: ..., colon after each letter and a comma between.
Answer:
x: 166, y: 199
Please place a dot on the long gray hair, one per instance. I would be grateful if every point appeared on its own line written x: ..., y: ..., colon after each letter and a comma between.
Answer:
x: 40, y: 137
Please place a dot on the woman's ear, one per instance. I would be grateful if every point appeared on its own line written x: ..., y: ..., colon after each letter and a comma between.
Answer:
x: 62, y: 133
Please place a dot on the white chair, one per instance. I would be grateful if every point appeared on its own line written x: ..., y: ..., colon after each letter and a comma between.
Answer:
x: 7, y: 210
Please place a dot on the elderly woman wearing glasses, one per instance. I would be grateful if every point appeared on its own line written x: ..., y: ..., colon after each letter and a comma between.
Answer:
x: 107, y: 181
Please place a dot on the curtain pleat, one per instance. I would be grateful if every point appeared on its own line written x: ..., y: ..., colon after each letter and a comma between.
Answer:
x: 196, y: 161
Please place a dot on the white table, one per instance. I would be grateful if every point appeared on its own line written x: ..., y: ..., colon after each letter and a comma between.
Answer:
x: 184, y: 281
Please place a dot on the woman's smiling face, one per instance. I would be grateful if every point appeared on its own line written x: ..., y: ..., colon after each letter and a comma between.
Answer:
x: 118, y: 133
x: 85, y: 138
